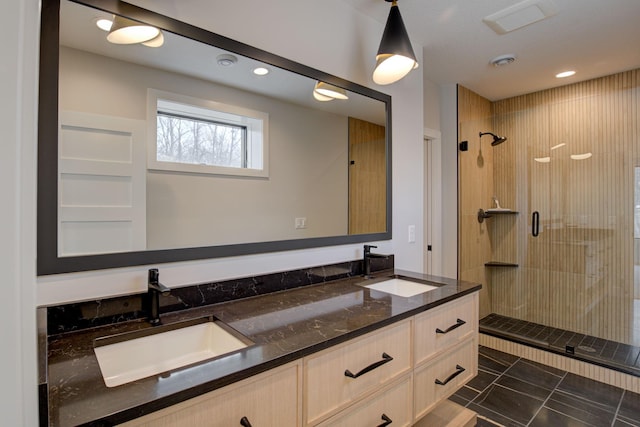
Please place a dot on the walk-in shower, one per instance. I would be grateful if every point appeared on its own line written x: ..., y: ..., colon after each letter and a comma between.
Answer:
x: 560, y: 265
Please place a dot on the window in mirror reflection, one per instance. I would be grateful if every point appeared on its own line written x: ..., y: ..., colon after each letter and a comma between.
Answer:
x: 201, y: 136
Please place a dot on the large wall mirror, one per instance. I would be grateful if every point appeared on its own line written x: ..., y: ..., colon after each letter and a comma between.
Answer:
x: 174, y: 149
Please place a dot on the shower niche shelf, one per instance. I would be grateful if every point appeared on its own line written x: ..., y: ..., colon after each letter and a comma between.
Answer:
x: 494, y: 264
x: 482, y: 214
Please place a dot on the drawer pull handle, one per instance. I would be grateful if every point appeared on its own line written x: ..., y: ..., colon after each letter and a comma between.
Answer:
x: 385, y: 359
x: 244, y: 422
x: 459, y: 370
x: 386, y: 420
x: 456, y: 325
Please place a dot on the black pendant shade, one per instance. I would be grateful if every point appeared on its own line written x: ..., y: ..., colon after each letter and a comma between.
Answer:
x: 395, y: 56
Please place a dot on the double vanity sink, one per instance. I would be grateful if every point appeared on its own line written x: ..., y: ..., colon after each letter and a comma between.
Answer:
x: 135, y: 355
x: 131, y: 356
x: 401, y: 287
x: 111, y: 374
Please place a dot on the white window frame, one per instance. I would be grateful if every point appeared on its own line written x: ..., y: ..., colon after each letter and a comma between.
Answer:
x: 256, y: 122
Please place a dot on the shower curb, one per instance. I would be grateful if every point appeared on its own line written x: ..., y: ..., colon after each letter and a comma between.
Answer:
x: 585, y: 369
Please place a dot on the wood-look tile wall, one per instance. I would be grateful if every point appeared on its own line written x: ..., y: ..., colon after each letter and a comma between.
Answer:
x: 578, y: 273
x: 475, y: 169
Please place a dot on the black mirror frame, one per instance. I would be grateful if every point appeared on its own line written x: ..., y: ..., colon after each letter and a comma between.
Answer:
x: 48, y: 261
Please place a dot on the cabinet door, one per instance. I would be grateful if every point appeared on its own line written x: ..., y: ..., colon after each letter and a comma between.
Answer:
x: 390, y: 405
x: 265, y: 400
x: 438, y: 329
x: 328, y: 387
x: 440, y: 378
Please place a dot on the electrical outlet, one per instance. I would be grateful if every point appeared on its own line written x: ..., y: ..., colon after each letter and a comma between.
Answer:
x: 301, y: 223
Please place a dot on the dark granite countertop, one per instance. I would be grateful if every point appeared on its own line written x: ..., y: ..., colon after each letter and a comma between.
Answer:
x: 284, y: 326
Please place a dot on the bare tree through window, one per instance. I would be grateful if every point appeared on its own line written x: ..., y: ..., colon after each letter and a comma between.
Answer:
x: 196, y: 141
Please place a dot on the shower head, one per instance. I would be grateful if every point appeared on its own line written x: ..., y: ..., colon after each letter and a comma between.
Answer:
x: 496, y: 139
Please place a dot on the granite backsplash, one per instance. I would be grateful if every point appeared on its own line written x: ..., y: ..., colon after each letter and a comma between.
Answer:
x: 89, y: 314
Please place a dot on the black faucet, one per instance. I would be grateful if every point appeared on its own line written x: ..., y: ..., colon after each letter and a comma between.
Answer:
x: 367, y: 259
x: 154, y: 289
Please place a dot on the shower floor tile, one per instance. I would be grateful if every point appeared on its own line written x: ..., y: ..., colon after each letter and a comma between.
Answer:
x: 512, y: 391
x: 614, y: 355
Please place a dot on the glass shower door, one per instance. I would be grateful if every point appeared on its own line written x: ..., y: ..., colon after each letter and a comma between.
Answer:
x: 571, y: 168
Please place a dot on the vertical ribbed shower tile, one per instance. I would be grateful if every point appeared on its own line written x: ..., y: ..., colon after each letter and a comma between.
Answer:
x: 577, y: 275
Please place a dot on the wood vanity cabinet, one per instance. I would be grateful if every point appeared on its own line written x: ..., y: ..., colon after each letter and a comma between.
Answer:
x: 446, y: 351
x: 396, y: 374
x: 268, y: 399
x: 439, y: 329
x: 392, y: 404
x: 442, y: 356
x: 337, y: 377
x: 440, y: 378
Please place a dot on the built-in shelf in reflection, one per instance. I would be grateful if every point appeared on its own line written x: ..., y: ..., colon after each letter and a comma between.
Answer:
x: 482, y: 214
x: 500, y: 212
x: 500, y: 264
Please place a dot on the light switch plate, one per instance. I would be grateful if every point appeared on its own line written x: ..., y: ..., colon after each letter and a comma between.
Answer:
x: 412, y: 234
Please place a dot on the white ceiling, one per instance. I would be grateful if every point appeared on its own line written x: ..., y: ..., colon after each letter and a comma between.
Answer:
x: 593, y: 37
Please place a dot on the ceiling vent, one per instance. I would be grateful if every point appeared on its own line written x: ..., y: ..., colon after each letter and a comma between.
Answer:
x: 502, y: 60
x: 520, y: 15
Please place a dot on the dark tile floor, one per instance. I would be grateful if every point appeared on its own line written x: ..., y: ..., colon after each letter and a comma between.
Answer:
x: 511, y: 391
x: 618, y: 356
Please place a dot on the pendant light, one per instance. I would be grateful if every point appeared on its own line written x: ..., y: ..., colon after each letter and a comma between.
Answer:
x: 157, y: 41
x: 329, y: 91
x: 127, y: 31
x: 395, y: 56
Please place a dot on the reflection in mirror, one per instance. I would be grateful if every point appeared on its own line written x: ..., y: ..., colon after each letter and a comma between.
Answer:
x: 177, y: 150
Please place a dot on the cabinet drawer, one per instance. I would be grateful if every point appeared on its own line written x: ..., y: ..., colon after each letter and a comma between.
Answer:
x: 391, y: 404
x: 440, y: 378
x: 269, y: 399
x: 328, y: 386
x: 445, y: 326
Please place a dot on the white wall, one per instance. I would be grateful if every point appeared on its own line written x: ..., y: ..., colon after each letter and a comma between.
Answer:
x: 449, y: 123
x: 431, y: 97
x: 18, y: 89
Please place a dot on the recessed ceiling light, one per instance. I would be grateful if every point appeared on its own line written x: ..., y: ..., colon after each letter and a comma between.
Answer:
x: 261, y: 71
x: 104, y: 24
x: 565, y: 74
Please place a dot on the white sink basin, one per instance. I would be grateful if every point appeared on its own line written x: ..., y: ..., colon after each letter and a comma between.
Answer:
x: 133, y: 359
x: 400, y: 287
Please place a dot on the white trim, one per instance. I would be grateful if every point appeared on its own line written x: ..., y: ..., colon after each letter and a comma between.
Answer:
x: 18, y: 170
x: 449, y: 170
x: 432, y: 133
x: 257, y: 123
x: 433, y: 200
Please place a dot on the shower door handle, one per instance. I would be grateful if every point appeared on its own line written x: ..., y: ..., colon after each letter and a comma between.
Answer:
x: 535, y: 224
